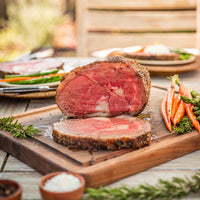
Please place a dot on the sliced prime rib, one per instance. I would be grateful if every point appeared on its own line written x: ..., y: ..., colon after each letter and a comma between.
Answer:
x: 104, y: 88
x: 29, y: 67
x: 148, y: 56
x: 103, y: 133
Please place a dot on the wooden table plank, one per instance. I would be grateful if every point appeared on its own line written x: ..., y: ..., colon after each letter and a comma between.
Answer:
x: 38, y: 103
x: 3, y: 159
x: 15, y: 165
x: 10, y: 106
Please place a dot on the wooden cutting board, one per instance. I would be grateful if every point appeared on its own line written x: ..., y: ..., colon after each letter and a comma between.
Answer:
x: 102, y: 167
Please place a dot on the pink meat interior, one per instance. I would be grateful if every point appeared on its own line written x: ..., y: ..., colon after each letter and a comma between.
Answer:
x: 115, y: 87
x: 103, y: 127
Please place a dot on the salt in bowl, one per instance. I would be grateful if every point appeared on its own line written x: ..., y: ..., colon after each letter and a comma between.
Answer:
x: 51, y: 194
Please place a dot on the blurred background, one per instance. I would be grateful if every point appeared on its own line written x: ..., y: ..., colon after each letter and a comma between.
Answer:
x: 78, y: 28
x: 30, y: 24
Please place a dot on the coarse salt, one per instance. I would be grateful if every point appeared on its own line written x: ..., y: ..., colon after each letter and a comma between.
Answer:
x: 62, y: 183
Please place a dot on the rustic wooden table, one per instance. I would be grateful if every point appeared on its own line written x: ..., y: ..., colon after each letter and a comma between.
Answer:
x: 11, y: 168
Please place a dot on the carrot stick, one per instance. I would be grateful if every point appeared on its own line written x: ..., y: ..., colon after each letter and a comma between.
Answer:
x: 28, y: 78
x: 183, y: 90
x: 164, y: 113
x: 170, y: 98
x: 175, y: 106
x: 179, y: 113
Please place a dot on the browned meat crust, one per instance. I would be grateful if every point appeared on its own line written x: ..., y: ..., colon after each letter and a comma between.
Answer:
x: 105, y: 137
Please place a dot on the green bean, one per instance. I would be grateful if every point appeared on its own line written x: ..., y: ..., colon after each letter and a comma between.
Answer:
x: 185, y: 99
x: 33, y: 75
x: 38, y: 80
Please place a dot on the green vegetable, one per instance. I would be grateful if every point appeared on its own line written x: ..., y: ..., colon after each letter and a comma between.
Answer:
x: 195, y: 108
x: 198, y: 118
x: 194, y: 94
x: 175, y: 189
x: 184, y: 126
x: 197, y: 113
x: 17, y: 129
x: 38, y: 80
x: 193, y: 101
x: 186, y: 99
x: 182, y: 54
x: 33, y: 75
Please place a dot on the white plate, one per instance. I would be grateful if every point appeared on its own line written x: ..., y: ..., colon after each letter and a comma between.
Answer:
x: 106, y: 52
x: 5, y: 84
x: 167, y: 62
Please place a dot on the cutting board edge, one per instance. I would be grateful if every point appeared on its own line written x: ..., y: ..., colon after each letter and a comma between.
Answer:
x: 152, y: 156
x: 115, y: 168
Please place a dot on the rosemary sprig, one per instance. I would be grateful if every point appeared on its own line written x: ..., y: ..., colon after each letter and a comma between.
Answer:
x: 17, y: 129
x: 175, y: 189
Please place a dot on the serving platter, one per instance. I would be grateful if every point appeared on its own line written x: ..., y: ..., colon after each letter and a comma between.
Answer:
x: 31, y: 95
x: 101, y: 167
x: 166, y: 62
x: 69, y: 64
x: 158, y: 67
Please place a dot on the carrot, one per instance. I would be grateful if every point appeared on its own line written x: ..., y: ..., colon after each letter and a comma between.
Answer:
x: 28, y: 78
x: 170, y: 98
x: 179, y: 113
x: 183, y: 90
x: 175, y: 106
x: 164, y: 113
x: 140, y: 50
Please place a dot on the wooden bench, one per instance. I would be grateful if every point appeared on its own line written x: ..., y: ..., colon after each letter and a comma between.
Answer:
x: 103, y: 24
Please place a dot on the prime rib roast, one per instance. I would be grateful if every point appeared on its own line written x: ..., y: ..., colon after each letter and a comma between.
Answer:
x: 29, y: 67
x: 103, y: 133
x: 148, y: 56
x: 104, y: 88
x: 93, y: 95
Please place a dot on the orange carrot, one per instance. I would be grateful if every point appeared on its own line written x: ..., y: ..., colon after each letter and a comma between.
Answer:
x: 140, y: 50
x: 170, y: 98
x: 164, y: 113
x: 179, y: 113
x: 183, y: 90
x: 29, y: 78
x: 175, y: 106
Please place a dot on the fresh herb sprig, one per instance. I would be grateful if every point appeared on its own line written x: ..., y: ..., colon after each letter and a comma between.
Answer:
x: 17, y: 129
x: 177, y: 188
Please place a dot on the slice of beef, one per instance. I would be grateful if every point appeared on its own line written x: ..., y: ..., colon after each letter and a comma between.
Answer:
x: 148, y: 56
x: 103, y: 133
x: 29, y: 67
x: 104, y: 88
